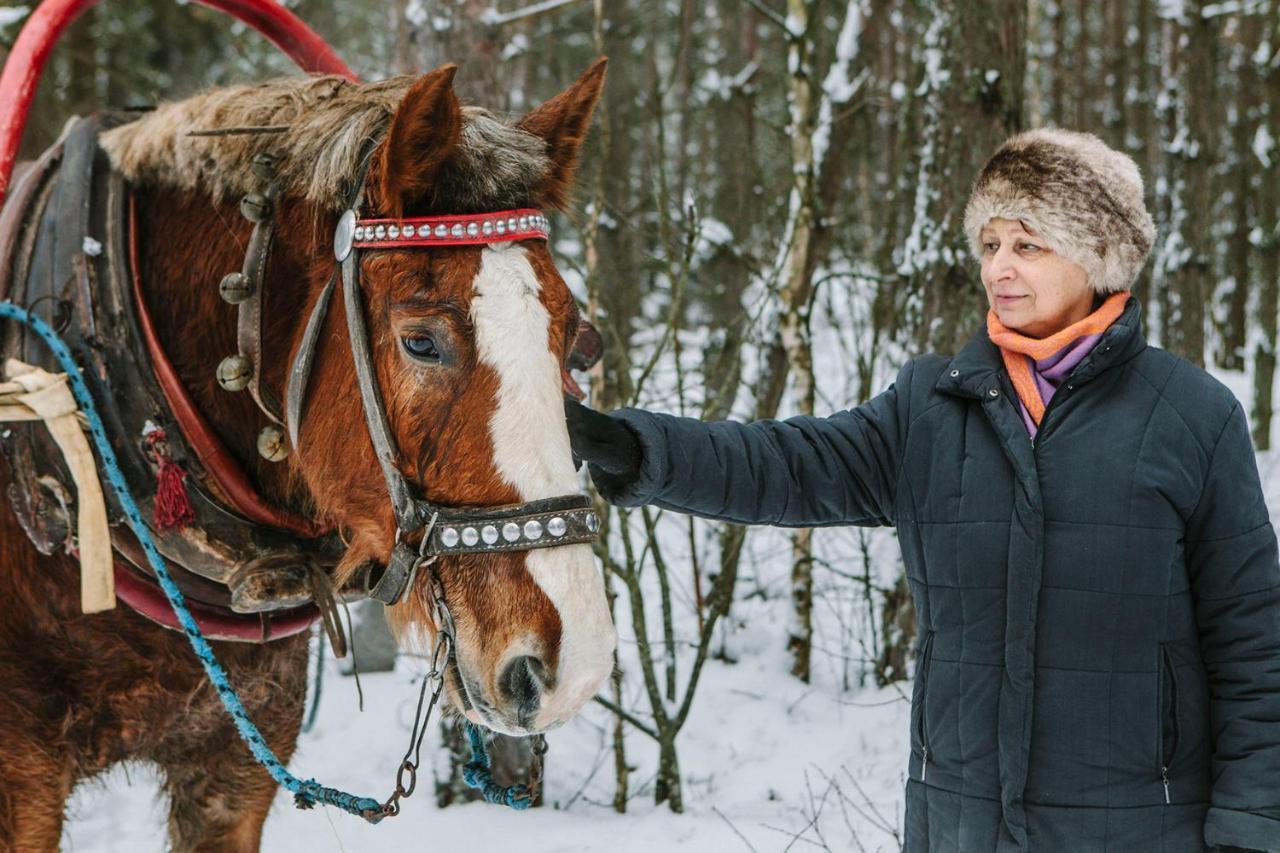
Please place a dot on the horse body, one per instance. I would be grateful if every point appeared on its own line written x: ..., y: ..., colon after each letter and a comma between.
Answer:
x: 80, y: 693
x: 533, y: 640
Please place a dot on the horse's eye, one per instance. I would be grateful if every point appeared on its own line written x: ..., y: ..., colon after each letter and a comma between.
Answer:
x: 422, y: 347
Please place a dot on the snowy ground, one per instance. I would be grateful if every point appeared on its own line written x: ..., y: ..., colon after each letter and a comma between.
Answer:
x: 757, y: 744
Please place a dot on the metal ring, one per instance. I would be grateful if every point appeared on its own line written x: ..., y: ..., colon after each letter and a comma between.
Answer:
x: 60, y: 317
x: 413, y: 779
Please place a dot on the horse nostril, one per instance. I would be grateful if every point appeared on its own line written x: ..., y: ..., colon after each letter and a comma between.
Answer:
x: 520, y: 681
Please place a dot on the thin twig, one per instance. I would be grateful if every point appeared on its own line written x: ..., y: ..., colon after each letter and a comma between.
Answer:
x: 773, y: 16
x: 736, y: 832
x: 239, y: 131
x: 628, y: 717
x: 495, y: 18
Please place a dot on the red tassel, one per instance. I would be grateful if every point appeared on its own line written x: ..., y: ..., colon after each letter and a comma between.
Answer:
x: 173, y: 504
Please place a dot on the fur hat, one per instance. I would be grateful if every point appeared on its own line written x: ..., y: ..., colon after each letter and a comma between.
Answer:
x: 1083, y: 198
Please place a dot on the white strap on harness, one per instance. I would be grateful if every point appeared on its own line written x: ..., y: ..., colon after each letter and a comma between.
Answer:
x: 31, y: 394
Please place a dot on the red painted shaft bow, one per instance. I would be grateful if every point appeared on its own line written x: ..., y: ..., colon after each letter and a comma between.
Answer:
x: 31, y: 51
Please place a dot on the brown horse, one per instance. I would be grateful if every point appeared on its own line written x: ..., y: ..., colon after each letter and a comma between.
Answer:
x: 468, y: 344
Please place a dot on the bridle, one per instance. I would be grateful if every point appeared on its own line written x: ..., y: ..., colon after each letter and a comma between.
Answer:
x: 446, y: 530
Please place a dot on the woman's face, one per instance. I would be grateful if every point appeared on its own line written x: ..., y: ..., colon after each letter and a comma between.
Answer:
x: 1032, y: 289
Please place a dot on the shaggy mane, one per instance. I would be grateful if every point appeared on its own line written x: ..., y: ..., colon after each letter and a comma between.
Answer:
x: 328, y: 118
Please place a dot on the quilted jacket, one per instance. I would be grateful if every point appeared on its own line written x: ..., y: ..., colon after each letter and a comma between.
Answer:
x: 1098, y: 655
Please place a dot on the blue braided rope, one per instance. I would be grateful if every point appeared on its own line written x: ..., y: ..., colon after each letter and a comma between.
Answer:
x: 306, y: 793
x: 476, y: 774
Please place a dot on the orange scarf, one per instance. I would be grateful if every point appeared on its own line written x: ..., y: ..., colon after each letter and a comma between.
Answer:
x: 1014, y: 344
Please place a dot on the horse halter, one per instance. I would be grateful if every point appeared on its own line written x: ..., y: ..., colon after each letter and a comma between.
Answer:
x: 448, y: 531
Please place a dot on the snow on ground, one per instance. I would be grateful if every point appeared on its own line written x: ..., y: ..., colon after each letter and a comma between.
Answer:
x: 757, y: 743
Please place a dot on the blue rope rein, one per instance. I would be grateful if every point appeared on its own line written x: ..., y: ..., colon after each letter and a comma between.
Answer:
x: 306, y: 793
x: 476, y: 773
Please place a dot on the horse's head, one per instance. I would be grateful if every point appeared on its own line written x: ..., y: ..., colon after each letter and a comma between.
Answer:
x: 468, y: 345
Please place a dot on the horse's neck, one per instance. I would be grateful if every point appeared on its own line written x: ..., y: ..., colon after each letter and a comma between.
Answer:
x: 187, y: 244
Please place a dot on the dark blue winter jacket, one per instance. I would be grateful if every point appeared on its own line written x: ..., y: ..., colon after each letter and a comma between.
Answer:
x: 1099, y: 610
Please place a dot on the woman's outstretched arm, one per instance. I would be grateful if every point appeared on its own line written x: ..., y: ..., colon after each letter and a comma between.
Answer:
x: 802, y: 472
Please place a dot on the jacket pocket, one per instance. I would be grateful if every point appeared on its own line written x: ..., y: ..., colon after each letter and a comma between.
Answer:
x: 925, y: 657
x: 1170, y: 729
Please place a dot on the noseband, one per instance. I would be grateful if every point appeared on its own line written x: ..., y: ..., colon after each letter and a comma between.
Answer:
x: 448, y: 531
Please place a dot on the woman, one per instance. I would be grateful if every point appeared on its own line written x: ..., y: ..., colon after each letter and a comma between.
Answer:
x: 1093, y: 567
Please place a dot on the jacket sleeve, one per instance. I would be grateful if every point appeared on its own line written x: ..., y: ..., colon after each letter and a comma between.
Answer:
x: 1235, y: 579
x: 799, y: 472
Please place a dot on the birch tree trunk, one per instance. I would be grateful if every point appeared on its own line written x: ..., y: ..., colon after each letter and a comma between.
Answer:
x: 1186, y: 255
x: 1268, y: 240
x: 1234, y: 327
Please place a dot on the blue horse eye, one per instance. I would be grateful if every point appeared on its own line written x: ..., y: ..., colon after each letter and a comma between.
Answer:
x: 421, y: 346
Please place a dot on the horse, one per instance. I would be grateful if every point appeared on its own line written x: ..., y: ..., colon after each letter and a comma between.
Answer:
x: 466, y: 347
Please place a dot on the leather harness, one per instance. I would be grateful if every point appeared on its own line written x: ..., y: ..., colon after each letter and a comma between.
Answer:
x: 251, y: 571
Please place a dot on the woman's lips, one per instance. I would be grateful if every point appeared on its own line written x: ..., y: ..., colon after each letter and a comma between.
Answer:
x: 1005, y: 300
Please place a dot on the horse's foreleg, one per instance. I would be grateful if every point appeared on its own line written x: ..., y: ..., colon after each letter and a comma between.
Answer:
x: 34, y: 787
x: 219, y: 794
x: 213, y: 810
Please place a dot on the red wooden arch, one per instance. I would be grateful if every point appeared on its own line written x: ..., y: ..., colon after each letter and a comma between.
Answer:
x: 31, y: 51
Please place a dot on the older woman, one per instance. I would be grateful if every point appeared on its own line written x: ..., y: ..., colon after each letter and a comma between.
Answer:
x: 1093, y: 567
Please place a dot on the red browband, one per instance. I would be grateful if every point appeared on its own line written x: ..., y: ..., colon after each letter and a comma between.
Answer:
x: 477, y: 229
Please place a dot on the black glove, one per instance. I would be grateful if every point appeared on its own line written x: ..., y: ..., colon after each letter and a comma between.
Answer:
x: 603, y: 442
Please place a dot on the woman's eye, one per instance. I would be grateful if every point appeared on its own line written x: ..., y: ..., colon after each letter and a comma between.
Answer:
x: 991, y: 248
x: 1030, y: 247
x: 421, y: 347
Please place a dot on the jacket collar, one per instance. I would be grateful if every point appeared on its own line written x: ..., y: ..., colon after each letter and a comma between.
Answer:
x: 978, y: 366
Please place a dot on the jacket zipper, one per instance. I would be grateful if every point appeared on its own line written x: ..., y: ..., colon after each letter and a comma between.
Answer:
x: 1063, y: 390
x: 1168, y: 674
x: 1066, y: 387
x: 926, y: 657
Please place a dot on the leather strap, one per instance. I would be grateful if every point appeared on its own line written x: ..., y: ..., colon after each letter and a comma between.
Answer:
x: 49, y: 398
x: 300, y: 371
x: 375, y: 413
x: 249, y: 314
x: 22, y: 194
x: 149, y: 600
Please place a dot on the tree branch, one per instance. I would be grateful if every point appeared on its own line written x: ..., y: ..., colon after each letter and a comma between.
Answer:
x: 764, y: 10
x: 627, y: 716
x: 494, y: 18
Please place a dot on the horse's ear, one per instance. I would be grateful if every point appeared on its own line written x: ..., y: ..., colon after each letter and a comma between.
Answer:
x: 563, y: 122
x: 423, y: 133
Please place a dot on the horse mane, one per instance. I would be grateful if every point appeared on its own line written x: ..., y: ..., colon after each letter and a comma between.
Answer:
x: 324, y: 123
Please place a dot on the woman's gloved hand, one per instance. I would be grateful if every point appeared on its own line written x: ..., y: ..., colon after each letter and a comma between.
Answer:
x: 607, y: 444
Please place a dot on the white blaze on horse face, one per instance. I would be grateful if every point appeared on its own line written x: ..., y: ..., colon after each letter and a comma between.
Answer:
x: 531, y: 453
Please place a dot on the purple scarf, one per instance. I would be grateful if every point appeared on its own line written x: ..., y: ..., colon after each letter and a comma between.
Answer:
x: 1048, y: 373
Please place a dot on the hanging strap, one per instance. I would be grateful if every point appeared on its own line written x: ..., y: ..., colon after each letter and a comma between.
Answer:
x: 32, y: 394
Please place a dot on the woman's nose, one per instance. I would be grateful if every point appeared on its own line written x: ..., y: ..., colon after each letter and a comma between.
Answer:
x: 1000, y: 267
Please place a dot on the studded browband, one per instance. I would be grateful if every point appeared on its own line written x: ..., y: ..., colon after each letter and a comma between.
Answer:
x: 450, y: 230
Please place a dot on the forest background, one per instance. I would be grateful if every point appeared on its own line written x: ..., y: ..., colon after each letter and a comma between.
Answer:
x: 767, y: 222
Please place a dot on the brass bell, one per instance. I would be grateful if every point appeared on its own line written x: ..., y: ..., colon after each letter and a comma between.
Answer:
x: 234, y: 373
x: 263, y: 165
x: 272, y: 445
x: 235, y: 287
x: 255, y: 207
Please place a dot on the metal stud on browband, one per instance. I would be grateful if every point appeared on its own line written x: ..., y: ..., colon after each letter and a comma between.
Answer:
x: 503, y: 226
